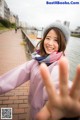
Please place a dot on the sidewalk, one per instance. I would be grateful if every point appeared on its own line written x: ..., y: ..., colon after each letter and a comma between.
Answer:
x: 12, y: 54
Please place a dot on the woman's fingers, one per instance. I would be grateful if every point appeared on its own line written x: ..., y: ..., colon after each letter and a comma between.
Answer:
x: 47, y: 81
x: 75, y: 90
x: 63, y: 76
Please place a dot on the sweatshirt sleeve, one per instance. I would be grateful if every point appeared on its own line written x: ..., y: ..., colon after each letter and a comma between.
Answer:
x: 15, y: 77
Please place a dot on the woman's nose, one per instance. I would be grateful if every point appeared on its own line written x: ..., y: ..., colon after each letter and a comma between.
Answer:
x: 51, y: 42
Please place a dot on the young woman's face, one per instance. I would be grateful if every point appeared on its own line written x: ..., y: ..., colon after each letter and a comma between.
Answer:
x: 51, y: 42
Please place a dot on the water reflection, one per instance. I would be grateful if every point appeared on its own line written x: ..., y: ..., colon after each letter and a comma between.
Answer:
x: 73, y: 54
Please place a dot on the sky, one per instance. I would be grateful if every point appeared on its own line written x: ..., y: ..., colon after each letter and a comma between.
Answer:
x: 39, y: 14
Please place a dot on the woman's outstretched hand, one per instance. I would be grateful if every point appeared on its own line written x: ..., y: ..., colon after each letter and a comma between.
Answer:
x: 66, y: 103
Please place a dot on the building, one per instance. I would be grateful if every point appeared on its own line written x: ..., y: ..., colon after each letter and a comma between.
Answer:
x: 5, y: 13
x: 66, y: 23
x: 14, y: 19
x: 4, y: 10
x: 76, y: 31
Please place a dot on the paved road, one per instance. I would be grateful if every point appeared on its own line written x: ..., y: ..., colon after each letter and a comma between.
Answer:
x: 12, y: 54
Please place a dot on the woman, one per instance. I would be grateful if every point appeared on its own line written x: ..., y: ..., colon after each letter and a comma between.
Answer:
x: 52, y: 48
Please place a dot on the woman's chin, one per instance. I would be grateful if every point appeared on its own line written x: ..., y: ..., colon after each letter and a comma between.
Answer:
x: 49, y: 52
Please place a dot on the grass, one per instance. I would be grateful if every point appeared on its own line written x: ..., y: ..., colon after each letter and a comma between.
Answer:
x: 3, y: 28
x: 76, y: 35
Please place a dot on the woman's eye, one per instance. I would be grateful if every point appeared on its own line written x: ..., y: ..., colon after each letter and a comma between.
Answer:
x: 56, y: 40
x: 48, y: 38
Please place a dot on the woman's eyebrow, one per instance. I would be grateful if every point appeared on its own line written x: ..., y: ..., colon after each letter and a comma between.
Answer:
x: 50, y: 36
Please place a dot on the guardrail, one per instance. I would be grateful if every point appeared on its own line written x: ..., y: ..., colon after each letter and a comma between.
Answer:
x: 30, y: 42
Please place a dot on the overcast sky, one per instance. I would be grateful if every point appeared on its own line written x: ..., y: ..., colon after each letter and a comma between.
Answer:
x: 38, y: 13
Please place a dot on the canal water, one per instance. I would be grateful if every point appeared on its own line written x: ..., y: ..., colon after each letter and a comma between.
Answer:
x: 73, y: 54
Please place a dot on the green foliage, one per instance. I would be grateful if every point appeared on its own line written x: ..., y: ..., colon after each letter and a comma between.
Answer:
x: 75, y: 35
x: 1, y: 25
x: 5, y: 23
x: 13, y: 25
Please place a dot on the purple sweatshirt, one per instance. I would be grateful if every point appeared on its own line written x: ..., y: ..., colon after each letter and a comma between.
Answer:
x: 30, y: 71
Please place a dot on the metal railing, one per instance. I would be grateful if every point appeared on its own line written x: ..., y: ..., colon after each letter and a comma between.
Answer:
x: 31, y: 44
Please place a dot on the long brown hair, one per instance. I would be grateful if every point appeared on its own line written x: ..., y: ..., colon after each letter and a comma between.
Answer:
x: 61, y: 41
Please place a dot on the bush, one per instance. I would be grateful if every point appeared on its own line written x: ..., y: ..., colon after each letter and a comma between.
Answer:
x: 13, y: 25
x: 1, y: 25
x: 5, y: 23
